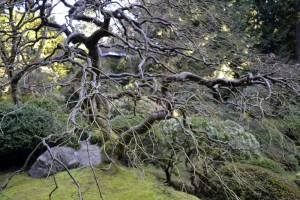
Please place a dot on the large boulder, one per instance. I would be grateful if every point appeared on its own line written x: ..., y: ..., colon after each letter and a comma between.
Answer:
x: 70, y: 157
x: 87, y: 154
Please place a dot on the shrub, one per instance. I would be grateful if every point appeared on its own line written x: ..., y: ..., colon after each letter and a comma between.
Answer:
x: 95, y: 137
x: 291, y: 123
x: 22, y: 126
x: 243, y: 181
x: 47, y: 104
x: 266, y: 163
x: 273, y: 142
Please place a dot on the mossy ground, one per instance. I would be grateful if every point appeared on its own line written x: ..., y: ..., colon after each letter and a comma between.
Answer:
x: 119, y: 183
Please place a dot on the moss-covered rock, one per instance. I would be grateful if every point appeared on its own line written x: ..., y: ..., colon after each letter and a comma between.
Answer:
x: 243, y: 181
x: 229, y: 131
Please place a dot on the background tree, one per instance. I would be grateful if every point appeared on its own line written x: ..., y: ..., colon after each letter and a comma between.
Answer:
x: 24, y: 45
x: 272, y: 23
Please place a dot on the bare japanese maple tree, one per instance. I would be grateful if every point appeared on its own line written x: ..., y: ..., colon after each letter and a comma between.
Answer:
x: 173, y: 51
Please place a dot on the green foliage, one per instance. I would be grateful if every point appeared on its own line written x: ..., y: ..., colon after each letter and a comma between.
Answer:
x: 274, y: 144
x: 291, y: 161
x: 95, y: 137
x: 266, y: 163
x: 45, y: 103
x: 270, y: 23
x: 291, y: 121
x: 250, y: 182
x: 164, y: 139
x: 22, y: 126
x: 168, y: 131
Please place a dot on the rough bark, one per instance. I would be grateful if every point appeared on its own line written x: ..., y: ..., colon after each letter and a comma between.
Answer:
x: 15, y: 92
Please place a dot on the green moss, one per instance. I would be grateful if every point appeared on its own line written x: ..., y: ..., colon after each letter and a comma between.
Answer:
x: 6, y: 98
x: 118, y: 183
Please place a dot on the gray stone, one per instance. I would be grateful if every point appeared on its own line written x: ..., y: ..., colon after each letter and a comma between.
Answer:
x: 86, y: 153
x: 233, y: 133
x: 71, y: 158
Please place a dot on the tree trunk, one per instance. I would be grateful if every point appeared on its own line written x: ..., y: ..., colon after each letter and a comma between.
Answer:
x: 15, y: 92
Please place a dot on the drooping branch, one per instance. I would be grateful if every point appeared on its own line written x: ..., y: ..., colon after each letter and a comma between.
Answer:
x: 146, y: 125
x: 188, y: 76
x: 246, y: 80
x: 129, y: 93
x: 53, y: 157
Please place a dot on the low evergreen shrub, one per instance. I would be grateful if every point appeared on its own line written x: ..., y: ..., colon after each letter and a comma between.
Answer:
x: 23, y: 126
